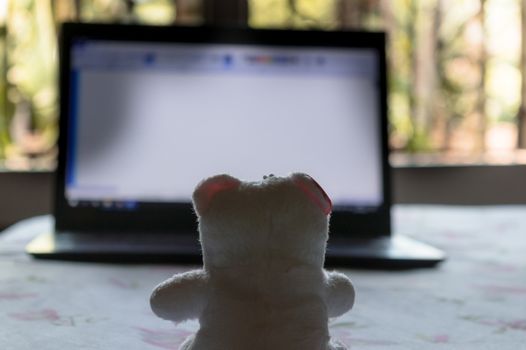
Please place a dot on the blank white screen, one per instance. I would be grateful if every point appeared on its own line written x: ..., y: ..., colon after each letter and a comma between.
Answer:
x: 153, y: 134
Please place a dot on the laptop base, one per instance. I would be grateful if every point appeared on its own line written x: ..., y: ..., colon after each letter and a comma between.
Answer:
x: 389, y: 252
x: 394, y: 252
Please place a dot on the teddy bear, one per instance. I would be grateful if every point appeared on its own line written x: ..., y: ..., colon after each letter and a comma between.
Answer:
x: 262, y: 285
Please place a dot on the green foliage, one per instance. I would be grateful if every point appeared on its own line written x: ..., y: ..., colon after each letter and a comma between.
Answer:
x: 28, y: 45
x: 4, y: 134
x: 292, y: 14
x: 445, y: 57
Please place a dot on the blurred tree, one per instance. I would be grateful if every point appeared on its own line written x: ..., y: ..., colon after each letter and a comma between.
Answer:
x: 189, y: 12
x: 356, y: 14
x: 480, y: 135
x: 4, y: 121
x: 418, y: 137
x: 31, y: 74
x: 521, y: 116
x: 66, y: 10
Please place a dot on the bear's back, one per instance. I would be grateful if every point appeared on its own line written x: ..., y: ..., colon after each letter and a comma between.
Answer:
x: 263, y: 250
x: 263, y: 308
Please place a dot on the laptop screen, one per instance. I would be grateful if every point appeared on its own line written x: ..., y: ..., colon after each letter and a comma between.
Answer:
x: 148, y: 121
x: 148, y: 112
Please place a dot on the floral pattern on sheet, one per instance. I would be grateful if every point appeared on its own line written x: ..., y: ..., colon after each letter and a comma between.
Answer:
x: 474, y: 300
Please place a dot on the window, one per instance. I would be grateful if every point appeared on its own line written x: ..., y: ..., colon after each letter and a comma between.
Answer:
x: 455, y: 92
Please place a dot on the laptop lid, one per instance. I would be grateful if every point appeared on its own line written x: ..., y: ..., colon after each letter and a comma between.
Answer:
x: 147, y: 112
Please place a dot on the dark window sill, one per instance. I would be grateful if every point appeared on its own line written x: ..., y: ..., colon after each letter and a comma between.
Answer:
x: 25, y: 194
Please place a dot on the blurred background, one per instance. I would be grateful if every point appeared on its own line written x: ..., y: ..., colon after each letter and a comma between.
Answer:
x: 456, y: 82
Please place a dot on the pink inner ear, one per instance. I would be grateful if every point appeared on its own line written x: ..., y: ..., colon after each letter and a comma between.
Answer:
x: 324, y: 203
x: 212, y: 187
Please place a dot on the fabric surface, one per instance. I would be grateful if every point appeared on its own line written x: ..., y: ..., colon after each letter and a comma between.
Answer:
x: 474, y: 300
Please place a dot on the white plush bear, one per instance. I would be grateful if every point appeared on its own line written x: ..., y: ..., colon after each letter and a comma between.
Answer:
x: 262, y: 285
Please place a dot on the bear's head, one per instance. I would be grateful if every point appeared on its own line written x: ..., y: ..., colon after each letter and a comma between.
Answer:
x: 278, y: 218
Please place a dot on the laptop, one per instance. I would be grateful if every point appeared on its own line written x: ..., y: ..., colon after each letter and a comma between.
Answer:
x: 147, y: 112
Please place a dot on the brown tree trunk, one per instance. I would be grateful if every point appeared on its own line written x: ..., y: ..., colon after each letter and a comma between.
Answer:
x: 65, y: 10
x: 521, y: 117
x: 348, y: 14
x: 412, y: 33
x: 351, y: 14
x: 188, y: 12
x: 436, y: 112
x: 480, y: 141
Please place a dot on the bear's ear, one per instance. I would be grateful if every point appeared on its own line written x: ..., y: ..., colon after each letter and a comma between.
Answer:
x: 208, y: 188
x: 313, y: 191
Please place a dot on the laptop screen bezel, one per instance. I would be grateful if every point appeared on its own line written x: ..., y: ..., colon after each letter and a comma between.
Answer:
x: 180, y: 217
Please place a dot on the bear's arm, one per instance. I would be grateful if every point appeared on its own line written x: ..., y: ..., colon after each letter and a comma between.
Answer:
x: 181, y: 297
x: 339, y: 292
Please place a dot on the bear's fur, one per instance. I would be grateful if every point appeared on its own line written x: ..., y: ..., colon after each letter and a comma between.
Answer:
x: 262, y: 285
